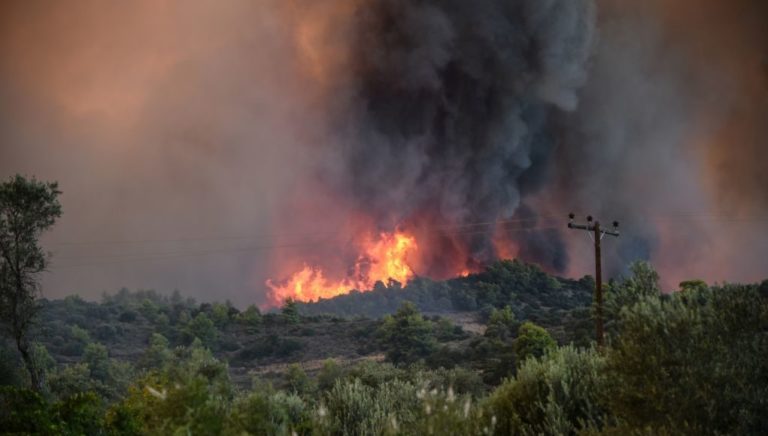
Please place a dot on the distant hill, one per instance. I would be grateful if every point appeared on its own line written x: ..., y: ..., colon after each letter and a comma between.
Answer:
x: 528, y: 290
x: 342, y: 328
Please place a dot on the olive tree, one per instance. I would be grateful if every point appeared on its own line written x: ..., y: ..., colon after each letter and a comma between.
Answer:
x: 27, y: 208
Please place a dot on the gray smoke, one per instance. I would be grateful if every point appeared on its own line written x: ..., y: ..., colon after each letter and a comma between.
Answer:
x: 454, y: 111
x: 670, y: 139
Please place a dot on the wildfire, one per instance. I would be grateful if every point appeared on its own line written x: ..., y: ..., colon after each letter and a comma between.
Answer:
x: 383, y: 258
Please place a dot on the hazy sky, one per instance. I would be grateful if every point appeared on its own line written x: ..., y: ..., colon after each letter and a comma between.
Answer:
x: 184, y: 135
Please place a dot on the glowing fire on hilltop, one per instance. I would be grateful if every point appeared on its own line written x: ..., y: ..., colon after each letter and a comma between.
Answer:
x: 383, y: 258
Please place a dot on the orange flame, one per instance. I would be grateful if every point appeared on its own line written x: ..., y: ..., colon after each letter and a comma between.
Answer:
x: 385, y: 258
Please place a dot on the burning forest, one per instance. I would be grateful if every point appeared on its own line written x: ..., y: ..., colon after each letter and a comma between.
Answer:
x: 449, y: 125
x: 302, y: 149
x: 383, y: 217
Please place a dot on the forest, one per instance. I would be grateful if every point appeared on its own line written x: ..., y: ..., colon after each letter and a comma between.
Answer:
x: 510, y: 350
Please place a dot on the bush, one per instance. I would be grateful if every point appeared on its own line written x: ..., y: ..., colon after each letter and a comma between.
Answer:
x: 25, y: 412
x: 266, y: 412
x: 329, y: 373
x: 406, y: 336
x: 128, y: 316
x: 562, y: 393
x: 353, y: 408
x: 694, y: 358
x: 532, y: 341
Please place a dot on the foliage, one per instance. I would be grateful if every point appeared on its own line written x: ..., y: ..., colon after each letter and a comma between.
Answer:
x: 329, y: 373
x: 157, y: 354
x: 27, y: 209
x: 643, y: 283
x: 406, y: 336
x: 560, y: 393
x: 532, y: 341
x: 688, y: 363
x: 501, y: 324
x: 267, y: 412
x: 26, y: 412
x: 355, y: 408
x: 202, y: 328
x: 189, y: 395
x: 696, y: 358
x: 290, y: 311
x: 528, y: 290
x: 296, y: 380
x: 250, y: 317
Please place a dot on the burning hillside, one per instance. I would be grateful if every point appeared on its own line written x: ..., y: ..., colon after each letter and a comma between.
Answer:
x: 383, y: 258
x: 450, y: 112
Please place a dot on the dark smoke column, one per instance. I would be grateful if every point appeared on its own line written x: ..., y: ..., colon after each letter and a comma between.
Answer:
x: 454, y: 108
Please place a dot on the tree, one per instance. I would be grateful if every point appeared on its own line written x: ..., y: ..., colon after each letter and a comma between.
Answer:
x: 501, y: 324
x: 406, y: 335
x: 96, y: 356
x: 693, y: 360
x: 643, y: 283
x: 296, y: 380
x: 495, y: 351
x: 202, y: 327
x: 251, y: 317
x: 157, y: 354
x: 27, y: 209
x: 291, y: 311
x: 329, y: 373
x: 564, y: 393
x: 533, y: 341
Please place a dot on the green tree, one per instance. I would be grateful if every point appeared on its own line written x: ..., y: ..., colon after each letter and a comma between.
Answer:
x: 291, y: 311
x: 329, y: 373
x: 406, y: 335
x: 220, y: 315
x: 693, y: 285
x: 202, y: 327
x: 644, y: 282
x: 190, y: 395
x: 27, y: 209
x: 96, y: 357
x: 297, y: 380
x: 693, y: 360
x: 501, y: 324
x: 251, y: 316
x: 494, y: 353
x: 532, y: 341
x: 561, y: 393
x: 157, y: 354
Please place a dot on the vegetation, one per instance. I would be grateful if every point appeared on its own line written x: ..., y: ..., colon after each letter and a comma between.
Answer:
x: 27, y: 209
x: 691, y: 362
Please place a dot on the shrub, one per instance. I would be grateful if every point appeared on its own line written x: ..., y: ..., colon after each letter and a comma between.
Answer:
x: 406, y: 336
x: 563, y: 392
x: 353, y: 408
x: 532, y: 341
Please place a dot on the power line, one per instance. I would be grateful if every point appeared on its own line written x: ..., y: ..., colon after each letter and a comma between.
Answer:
x: 597, y: 236
x: 141, y: 257
x: 272, y: 235
x: 458, y: 229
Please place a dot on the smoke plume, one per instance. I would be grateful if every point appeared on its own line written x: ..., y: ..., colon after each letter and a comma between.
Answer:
x: 208, y: 147
x: 453, y: 111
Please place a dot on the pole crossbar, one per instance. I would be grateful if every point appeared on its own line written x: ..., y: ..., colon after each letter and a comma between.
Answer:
x: 596, y: 233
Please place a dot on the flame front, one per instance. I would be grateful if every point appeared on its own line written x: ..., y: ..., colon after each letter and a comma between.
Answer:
x: 384, y: 258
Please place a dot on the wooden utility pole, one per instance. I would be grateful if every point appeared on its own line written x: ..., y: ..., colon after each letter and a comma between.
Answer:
x: 596, y: 235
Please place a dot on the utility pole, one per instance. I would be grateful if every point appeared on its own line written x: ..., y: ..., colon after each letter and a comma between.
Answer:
x: 597, y: 234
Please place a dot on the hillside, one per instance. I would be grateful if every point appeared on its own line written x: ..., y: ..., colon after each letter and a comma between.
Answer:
x: 342, y: 328
x: 562, y: 305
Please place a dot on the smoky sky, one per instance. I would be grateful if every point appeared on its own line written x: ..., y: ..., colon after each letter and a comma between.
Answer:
x: 197, y: 143
x: 454, y: 105
x: 172, y: 130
